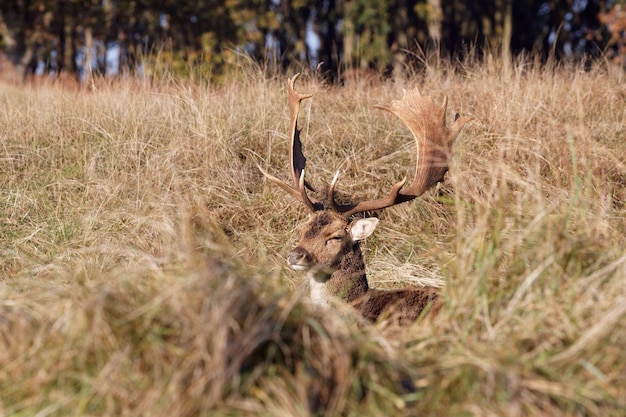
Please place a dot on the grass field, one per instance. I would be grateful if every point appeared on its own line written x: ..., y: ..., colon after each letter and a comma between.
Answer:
x: 142, y: 252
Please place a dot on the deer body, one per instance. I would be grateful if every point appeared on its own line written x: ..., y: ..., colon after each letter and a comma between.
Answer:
x: 329, y: 248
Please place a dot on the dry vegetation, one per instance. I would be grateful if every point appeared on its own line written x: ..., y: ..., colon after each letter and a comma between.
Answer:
x: 141, y: 250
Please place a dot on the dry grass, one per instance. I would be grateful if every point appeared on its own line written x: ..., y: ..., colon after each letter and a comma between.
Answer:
x: 141, y: 252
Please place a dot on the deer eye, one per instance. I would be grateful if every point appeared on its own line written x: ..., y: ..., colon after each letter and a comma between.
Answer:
x: 337, y: 238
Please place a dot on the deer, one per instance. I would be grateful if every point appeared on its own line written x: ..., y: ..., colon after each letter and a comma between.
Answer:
x: 329, y: 249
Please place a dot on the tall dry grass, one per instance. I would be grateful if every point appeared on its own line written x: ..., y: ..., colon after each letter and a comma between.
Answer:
x: 141, y: 252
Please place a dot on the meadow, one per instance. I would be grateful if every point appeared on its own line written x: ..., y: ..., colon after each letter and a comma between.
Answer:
x: 142, y: 267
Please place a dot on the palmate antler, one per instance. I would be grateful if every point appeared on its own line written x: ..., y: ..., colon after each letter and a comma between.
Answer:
x: 434, y: 143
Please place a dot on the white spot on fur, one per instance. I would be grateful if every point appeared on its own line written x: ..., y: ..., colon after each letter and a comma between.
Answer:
x: 318, y: 292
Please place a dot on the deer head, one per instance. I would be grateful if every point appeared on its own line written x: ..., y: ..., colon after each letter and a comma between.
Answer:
x: 329, y: 245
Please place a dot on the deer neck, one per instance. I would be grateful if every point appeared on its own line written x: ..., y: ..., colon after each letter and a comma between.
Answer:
x: 347, y: 282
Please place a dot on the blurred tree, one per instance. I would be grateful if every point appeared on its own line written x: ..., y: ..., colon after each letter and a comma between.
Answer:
x: 24, y: 25
x: 293, y: 17
x: 432, y: 13
x: 615, y: 23
x: 366, y: 31
x: 331, y: 35
x: 403, y: 31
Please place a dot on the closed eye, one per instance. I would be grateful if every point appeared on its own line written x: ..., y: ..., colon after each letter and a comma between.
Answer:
x: 334, y: 239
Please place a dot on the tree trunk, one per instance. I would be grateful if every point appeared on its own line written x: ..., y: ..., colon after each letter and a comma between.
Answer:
x: 401, y: 41
x: 7, y: 37
x: 12, y: 32
x: 507, y: 34
x: 348, y: 36
x: 88, y: 52
x: 68, y: 40
x: 434, y: 21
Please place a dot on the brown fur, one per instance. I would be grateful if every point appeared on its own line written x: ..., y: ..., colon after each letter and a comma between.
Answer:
x: 336, y: 268
x: 403, y: 306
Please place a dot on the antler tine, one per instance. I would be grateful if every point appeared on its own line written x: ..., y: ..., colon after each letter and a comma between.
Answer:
x: 433, y: 139
x: 348, y: 210
x: 296, y: 157
x: 313, y: 205
x: 294, y: 192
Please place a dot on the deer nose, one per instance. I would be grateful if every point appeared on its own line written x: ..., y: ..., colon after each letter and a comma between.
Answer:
x: 299, y: 259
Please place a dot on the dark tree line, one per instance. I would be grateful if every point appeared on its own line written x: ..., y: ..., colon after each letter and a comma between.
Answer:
x: 116, y: 36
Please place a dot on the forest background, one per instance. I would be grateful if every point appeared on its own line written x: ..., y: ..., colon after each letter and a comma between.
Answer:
x: 334, y: 37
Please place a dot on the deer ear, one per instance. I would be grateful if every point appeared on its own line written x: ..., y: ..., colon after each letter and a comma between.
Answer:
x: 363, y: 228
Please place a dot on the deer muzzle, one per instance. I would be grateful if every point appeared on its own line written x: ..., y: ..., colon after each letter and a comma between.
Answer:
x: 299, y: 259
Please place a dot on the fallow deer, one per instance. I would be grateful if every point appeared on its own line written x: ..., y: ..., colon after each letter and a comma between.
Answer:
x: 329, y: 246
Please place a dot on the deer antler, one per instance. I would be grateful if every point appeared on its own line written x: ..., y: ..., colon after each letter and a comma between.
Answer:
x: 434, y: 143
x: 298, y: 161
